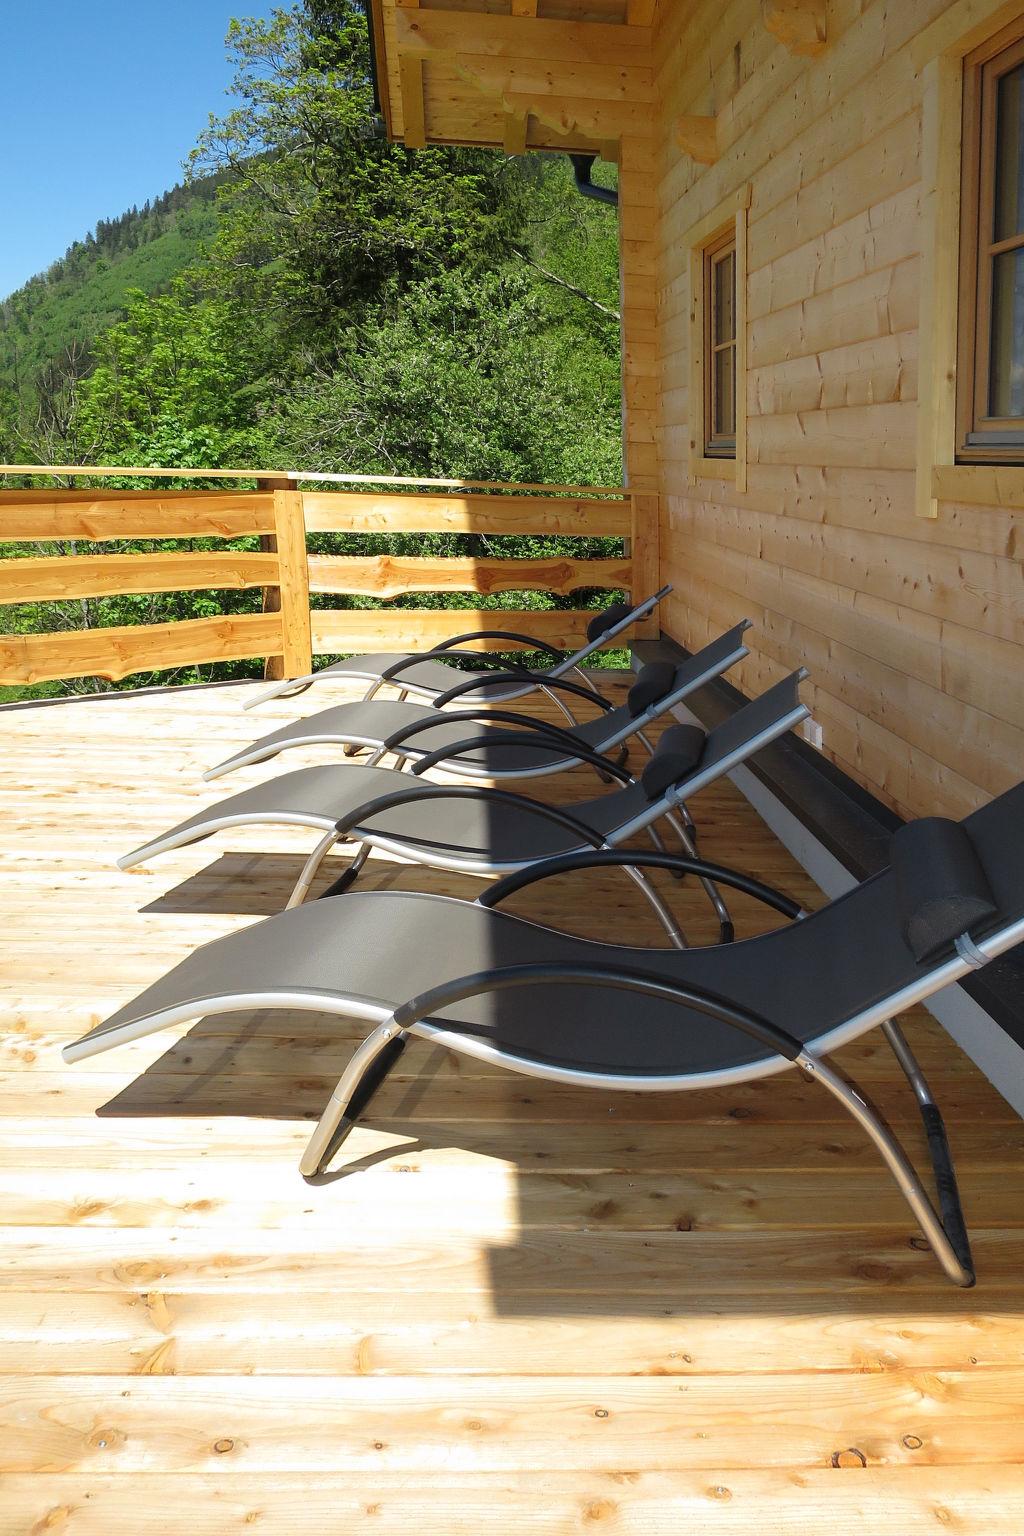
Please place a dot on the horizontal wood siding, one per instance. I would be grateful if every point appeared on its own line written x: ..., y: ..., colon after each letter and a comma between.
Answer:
x: 912, y: 628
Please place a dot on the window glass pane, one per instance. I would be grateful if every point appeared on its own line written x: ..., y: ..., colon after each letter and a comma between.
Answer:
x: 1009, y: 201
x: 724, y: 422
x: 725, y: 297
x: 1006, y: 372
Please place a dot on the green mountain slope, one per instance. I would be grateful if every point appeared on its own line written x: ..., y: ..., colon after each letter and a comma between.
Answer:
x: 61, y: 310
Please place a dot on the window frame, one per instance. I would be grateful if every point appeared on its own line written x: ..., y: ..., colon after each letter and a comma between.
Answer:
x: 982, y: 439
x: 717, y: 443
x: 722, y: 229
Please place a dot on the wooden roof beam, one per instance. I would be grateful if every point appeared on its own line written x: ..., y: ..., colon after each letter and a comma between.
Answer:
x: 414, y: 134
x: 640, y: 13
x: 524, y: 7
x: 515, y: 132
x: 576, y: 43
x: 799, y: 25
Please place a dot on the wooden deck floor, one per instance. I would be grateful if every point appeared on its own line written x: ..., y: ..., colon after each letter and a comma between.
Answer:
x: 511, y: 1306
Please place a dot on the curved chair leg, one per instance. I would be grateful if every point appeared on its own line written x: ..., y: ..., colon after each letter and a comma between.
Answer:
x: 369, y: 1066
x: 688, y: 839
x: 675, y: 934
x: 946, y: 1238
x: 556, y: 698
x: 944, y: 1172
x: 309, y: 870
x: 348, y: 876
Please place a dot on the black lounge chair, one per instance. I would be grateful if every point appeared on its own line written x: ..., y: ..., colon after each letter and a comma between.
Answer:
x: 430, y: 736
x: 482, y: 831
x: 426, y: 675
x: 622, y: 1018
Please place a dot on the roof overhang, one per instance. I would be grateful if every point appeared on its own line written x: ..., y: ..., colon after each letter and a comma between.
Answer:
x: 571, y: 75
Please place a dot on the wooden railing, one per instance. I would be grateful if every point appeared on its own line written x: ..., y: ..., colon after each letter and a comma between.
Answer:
x: 280, y: 514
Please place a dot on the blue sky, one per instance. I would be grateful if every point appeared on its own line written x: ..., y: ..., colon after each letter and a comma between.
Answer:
x: 100, y: 101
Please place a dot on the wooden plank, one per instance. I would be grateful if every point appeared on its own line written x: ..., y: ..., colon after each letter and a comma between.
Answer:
x: 117, y: 471
x: 942, y: 87
x: 395, y: 1425
x: 348, y: 630
x: 516, y: 128
x: 273, y: 666
x: 640, y: 13
x: 293, y: 583
x: 981, y: 485
x: 505, y: 1202
x: 349, y: 512
x: 54, y: 579
x: 120, y: 652
x: 644, y: 548
x: 42, y: 516
x: 516, y: 37
x: 548, y: 1275
x: 391, y: 576
x: 461, y: 1503
x: 294, y: 476
x: 414, y: 134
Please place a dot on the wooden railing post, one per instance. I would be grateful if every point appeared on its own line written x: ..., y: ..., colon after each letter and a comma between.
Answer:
x: 273, y: 667
x: 290, y: 597
x: 296, y: 657
x: 644, y: 554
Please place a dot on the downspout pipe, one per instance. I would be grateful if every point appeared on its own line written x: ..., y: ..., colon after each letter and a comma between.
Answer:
x: 582, y: 165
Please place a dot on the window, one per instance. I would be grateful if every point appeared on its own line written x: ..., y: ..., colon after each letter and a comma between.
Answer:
x: 990, y: 372
x: 720, y: 349
x: 717, y: 402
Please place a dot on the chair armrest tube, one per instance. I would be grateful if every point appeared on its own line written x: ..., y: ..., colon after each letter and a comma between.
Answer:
x: 477, y: 634
x: 467, y: 685
x: 503, y: 979
x: 480, y: 716
x: 630, y: 858
x: 578, y: 752
x: 488, y: 658
x: 416, y: 792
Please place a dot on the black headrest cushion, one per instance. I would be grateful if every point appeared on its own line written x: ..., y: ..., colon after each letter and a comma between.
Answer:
x: 677, y: 754
x: 652, y: 683
x: 613, y: 614
x: 941, y: 887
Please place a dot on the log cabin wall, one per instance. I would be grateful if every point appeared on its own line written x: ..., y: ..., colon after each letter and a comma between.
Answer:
x: 912, y: 627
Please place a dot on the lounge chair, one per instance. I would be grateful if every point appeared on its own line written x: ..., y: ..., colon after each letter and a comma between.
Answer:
x: 490, y: 832
x: 426, y: 675
x: 418, y: 733
x: 614, y: 1017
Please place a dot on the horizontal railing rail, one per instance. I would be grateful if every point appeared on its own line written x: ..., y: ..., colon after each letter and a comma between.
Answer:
x: 281, y: 515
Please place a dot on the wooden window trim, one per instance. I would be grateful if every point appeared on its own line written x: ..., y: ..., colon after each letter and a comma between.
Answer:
x: 938, y: 54
x: 726, y: 225
x: 980, y: 438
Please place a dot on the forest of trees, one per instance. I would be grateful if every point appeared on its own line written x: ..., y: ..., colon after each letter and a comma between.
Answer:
x: 328, y: 301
